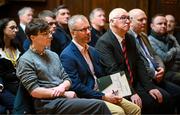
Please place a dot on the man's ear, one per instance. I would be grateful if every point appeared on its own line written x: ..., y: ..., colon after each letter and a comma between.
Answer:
x: 32, y: 37
x: 111, y: 21
x: 151, y: 25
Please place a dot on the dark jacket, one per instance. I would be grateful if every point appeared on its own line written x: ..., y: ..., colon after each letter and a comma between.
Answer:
x: 113, y: 59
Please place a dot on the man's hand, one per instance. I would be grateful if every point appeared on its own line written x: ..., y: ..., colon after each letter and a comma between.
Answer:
x: 159, y: 74
x: 137, y: 100
x: 58, y: 91
x: 70, y: 94
x: 112, y: 98
x: 156, y: 94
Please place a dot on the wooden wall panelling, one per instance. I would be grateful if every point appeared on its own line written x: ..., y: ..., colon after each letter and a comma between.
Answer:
x: 85, y: 6
x: 165, y: 7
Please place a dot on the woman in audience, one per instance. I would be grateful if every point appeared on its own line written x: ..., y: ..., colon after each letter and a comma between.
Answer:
x: 8, y: 56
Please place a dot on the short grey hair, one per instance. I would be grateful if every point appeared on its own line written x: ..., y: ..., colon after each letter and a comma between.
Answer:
x: 56, y: 10
x: 23, y: 10
x: 46, y: 13
x: 115, y: 12
x: 91, y: 15
x: 72, y: 21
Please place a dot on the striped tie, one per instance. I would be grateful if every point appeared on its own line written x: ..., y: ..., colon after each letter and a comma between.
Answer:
x: 127, y: 62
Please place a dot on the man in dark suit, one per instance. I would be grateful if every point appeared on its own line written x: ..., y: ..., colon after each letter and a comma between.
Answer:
x: 119, y: 56
x: 98, y: 20
x: 153, y: 62
x: 82, y: 64
x: 62, y: 35
x: 25, y: 16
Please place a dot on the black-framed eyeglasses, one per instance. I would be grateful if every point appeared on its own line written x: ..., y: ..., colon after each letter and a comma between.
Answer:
x: 123, y: 18
x: 13, y: 27
x: 83, y: 29
x: 46, y: 34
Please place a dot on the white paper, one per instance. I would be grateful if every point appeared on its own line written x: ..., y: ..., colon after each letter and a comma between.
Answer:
x: 119, y: 85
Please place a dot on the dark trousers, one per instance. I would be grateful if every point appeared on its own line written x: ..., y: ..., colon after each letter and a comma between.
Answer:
x: 174, y: 91
x: 173, y: 77
x: 6, y: 100
x: 71, y: 106
x: 151, y: 106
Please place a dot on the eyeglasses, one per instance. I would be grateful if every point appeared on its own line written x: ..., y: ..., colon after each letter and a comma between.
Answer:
x: 83, y: 29
x: 13, y: 27
x: 123, y: 18
x: 46, y: 34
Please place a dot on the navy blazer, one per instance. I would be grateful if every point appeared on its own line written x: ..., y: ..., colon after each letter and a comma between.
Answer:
x: 113, y: 59
x: 21, y: 37
x: 61, y: 39
x: 79, y: 72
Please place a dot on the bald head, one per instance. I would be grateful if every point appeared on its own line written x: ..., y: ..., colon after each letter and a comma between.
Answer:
x: 119, y: 21
x: 115, y: 13
x: 138, y: 20
x: 135, y: 12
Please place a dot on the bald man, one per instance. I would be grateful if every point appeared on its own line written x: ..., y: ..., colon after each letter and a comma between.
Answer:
x: 111, y: 47
x: 153, y: 62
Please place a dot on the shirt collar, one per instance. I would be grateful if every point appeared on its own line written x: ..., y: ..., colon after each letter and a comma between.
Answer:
x: 23, y: 26
x: 134, y: 33
x: 81, y: 48
x: 119, y: 38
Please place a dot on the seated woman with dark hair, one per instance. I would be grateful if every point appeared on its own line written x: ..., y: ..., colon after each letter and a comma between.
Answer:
x: 9, y: 53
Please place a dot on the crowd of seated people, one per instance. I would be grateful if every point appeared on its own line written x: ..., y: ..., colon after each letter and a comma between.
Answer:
x: 55, y: 59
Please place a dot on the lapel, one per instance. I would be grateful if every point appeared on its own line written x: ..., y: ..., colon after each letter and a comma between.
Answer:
x: 80, y: 57
x: 94, y: 59
x: 21, y: 30
x: 147, y: 43
x: 116, y: 45
x: 65, y: 33
x: 137, y: 44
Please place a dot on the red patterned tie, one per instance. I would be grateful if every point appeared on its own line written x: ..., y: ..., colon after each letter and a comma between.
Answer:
x: 127, y: 62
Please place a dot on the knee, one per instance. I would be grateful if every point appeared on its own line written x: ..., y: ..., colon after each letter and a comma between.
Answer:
x: 117, y: 112
x: 136, y: 110
x: 115, y: 109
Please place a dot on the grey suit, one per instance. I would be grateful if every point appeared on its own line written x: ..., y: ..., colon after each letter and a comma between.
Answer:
x: 165, y: 85
x: 152, y: 53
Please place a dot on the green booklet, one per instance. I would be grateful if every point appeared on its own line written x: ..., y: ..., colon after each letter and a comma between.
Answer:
x: 104, y: 82
x: 116, y: 84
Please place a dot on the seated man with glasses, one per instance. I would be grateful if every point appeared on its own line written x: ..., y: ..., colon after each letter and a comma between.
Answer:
x: 41, y: 73
x: 82, y: 64
x: 48, y: 16
x: 119, y: 53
